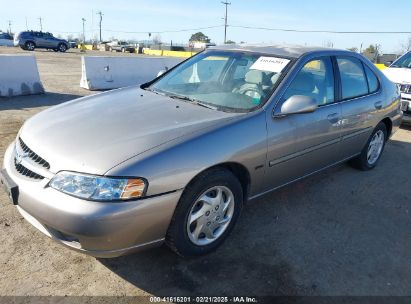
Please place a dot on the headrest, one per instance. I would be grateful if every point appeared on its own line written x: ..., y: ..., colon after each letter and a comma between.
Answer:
x: 254, y: 76
x: 274, y: 78
x: 303, y: 82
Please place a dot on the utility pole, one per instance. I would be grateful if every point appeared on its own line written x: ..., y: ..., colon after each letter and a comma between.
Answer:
x: 225, y: 20
x: 27, y: 27
x: 41, y: 25
x: 9, y: 26
x: 84, y: 35
x: 101, y: 19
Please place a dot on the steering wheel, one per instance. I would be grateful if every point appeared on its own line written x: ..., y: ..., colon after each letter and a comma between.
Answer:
x: 255, y: 90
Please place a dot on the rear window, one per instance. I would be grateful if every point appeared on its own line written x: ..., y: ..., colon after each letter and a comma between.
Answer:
x: 26, y: 34
x: 373, y: 82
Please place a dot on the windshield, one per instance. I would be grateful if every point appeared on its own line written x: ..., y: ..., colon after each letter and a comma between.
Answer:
x: 228, y: 81
x: 403, y: 62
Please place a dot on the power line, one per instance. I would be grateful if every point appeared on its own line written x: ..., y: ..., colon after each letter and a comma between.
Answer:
x: 163, y: 32
x: 236, y: 26
x: 318, y: 31
x: 225, y: 20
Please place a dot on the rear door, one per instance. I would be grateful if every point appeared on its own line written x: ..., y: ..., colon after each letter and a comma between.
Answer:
x: 301, y: 144
x: 362, y: 98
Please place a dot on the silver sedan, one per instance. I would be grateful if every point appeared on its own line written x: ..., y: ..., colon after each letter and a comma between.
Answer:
x: 175, y: 159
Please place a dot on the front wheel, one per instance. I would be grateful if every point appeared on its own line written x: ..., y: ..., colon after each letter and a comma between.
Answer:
x: 206, y: 213
x: 371, y: 153
x: 62, y: 47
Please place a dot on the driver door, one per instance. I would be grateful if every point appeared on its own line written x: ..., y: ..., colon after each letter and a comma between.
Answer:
x: 300, y: 144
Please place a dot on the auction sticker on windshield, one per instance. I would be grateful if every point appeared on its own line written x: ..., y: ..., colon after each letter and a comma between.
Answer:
x: 270, y: 64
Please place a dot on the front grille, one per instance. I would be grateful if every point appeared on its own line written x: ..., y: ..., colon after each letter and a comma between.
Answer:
x: 33, y: 156
x: 26, y: 172
x: 405, y: 88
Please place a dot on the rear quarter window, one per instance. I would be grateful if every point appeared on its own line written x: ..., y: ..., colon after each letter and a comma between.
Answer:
x: 373, y: 82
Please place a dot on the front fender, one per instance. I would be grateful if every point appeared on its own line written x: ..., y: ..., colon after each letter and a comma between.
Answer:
x: 173, y: 165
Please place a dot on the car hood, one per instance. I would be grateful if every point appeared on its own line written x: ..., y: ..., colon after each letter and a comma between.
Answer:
x: 93, y: 134
x: 398, y: 75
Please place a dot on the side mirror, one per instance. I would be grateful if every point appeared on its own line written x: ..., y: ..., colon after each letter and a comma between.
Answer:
x: 297, y: 104
x: 162, y: 72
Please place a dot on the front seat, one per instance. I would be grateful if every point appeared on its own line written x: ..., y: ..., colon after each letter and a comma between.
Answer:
x: 253, y: 84
x: 304, y: 85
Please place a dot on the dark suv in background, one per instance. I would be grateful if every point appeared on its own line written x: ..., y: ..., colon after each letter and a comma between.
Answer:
x: 31, y: 40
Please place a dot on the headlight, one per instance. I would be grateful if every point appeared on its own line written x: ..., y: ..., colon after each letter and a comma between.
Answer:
x: 98, y: 188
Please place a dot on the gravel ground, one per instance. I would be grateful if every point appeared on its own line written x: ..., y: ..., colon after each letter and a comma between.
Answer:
x: 340, y: 232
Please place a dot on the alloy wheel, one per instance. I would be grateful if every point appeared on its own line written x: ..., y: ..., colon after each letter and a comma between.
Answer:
x: 375, y: 147
x: 210, y: 215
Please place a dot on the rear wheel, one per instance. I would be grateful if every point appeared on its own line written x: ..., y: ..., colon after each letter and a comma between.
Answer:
x: 206, y: 213
x: 30, y: 46
x: 371, y: 153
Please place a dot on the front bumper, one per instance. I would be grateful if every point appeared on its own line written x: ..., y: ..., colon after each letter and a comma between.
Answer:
x: 406, y: 108
x: 94, y: 228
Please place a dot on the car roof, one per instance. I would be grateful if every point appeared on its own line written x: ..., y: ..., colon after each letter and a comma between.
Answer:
x: 293, y: 51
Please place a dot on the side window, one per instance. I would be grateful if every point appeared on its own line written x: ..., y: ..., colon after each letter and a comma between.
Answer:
x: 353, y: 81
x: 316, y: 80
x: 373, y: 83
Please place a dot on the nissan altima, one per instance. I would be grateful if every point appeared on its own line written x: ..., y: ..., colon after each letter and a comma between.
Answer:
x: 174, y: 160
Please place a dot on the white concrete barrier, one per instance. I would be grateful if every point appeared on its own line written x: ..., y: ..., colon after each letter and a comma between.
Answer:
x: 19, y: 75
x: 102, y: 73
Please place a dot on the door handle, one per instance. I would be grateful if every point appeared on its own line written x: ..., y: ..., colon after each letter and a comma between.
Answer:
x: 333, y: 118
x: 378, y: 105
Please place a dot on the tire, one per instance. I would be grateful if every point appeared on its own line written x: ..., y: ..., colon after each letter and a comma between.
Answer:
x: 180, y: 235
x: 29, y: 46
x: 368, y: 161
x: 62, y: 47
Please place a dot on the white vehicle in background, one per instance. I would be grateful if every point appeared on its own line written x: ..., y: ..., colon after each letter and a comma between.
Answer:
x: 6, y: 39
x: 399, y: 72
x: 121, y: 46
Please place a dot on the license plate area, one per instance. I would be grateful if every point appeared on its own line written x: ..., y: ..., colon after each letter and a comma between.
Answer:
x: 9, y: 186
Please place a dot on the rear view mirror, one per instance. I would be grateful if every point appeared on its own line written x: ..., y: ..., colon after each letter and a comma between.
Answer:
x: 298, y: 104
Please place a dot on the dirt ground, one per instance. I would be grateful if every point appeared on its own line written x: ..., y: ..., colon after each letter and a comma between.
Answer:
x: 340, y: 232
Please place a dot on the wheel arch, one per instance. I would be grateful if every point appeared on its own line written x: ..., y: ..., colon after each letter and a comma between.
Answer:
x: 388, y: 124
x: 237, y: 169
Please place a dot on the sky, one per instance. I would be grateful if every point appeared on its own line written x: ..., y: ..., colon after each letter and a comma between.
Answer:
x: 63, y: 17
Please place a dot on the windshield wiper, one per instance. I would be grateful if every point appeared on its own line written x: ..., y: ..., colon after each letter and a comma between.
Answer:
x: 193, y: 101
